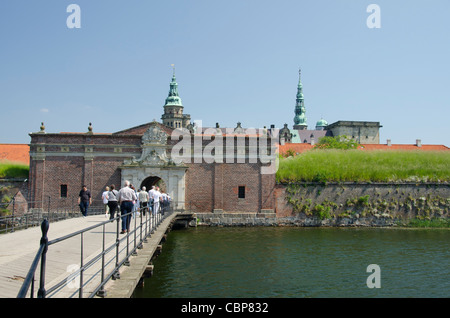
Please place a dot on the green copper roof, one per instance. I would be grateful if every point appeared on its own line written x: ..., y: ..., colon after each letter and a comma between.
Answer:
x: 173, y: 99
x: 322, y: 123
x: 300, y: 117
x: 295, y: 136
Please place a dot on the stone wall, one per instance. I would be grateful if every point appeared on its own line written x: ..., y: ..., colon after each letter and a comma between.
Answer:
x: 17, y: 189
x: 362, y: 131
x: 346, y: 204
x: 236, y: 219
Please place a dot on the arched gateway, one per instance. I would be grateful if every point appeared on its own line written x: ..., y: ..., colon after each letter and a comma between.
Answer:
x: 153, y: 181
x: 155, y: 165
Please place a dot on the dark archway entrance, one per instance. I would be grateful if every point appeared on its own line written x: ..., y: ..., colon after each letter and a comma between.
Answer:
x: 153, y: 181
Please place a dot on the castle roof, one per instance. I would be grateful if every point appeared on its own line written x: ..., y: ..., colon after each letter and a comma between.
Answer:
x: 305, y: 136
x: 173, y: 99
x: 19, y: 153
x: 302, y: 147
x: 141, y: 129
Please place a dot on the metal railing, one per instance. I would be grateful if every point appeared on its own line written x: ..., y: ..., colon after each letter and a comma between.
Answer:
x: 51, y: 211
x: 118, y: 252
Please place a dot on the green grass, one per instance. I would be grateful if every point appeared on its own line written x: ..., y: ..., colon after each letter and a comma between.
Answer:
x: 13, y: 170
x: 365, y: 166
x: 429, y: 223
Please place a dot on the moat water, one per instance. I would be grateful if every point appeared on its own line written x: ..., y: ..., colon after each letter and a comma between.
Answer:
x: 301, y: 262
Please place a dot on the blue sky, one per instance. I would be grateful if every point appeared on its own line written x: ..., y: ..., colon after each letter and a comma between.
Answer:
x: 236, y: 60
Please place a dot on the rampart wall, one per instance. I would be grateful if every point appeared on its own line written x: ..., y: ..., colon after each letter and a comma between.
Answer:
x: 344, y: 204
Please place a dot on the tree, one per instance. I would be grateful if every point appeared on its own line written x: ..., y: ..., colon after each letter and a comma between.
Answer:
x: 336, y: 142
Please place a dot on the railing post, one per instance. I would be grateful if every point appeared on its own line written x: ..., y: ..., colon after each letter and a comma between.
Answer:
x: 44, y: 240
x: 116, y: 274
x: 81, y: 267
x: 102, y: 291
x: 146, y: 226
x: 135, y: 221
x: 13, y: 210
x: 127, y: 261
x: 140, y: 246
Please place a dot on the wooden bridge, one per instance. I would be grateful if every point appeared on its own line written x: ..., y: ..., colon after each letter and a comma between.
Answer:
x: 86, y: 257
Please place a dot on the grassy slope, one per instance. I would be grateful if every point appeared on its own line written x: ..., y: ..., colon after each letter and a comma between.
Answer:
x: 373, y: 166
x: 13, y: 170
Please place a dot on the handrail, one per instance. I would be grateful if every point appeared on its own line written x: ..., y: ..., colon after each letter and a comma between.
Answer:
x: 152, y: 221
x: 29, y: 279
x: 31, y: 215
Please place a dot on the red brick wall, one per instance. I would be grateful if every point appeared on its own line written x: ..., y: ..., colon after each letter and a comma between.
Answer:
x: 209, y: 186
x: 96, y: 174
x: 199, y: 187
x: 48, y: 174
x: 62, y: 170
x: 215, y: 186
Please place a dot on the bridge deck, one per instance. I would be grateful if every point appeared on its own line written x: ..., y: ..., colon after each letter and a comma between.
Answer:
x: 18, y: 249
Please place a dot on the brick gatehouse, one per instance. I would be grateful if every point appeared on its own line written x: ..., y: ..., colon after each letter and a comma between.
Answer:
x: 215, y: 169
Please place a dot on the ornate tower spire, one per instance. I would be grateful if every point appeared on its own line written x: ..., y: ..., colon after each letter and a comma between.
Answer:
x: 173, y: 98
x: 173, y: 107
x: 300, y: 120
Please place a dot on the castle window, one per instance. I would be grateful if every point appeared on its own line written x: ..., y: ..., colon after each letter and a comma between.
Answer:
x: 63, y: 190
x: 241, y: 192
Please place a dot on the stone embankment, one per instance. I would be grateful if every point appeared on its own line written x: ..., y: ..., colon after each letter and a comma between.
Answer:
x: 344, y: 204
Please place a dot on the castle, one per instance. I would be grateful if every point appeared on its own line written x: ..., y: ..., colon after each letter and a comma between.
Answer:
x: 204, y: 169
x: 363, y: 132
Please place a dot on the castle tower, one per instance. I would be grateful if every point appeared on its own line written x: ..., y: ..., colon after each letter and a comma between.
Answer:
x: 300, y: 120
x: 173, y: 108
x: 321, y: 124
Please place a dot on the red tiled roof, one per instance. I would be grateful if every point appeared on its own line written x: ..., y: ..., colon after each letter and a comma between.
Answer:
x: 15, y: 153
x: 404, y: 147
x: 299, y: 148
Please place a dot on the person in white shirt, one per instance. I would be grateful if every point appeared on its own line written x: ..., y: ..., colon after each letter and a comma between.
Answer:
x: 126, y: 197
x: 168, y: 201
x: 113, y: 197
x: 156, y: 199
x: 105, y: 200
x: 163, y: 202
x: 143, y: 198
x: 151, y: 195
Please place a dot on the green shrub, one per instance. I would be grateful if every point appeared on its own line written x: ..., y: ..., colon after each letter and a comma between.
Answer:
x: 336, y: 142
x: 322, y: 212
x: 434, y: 222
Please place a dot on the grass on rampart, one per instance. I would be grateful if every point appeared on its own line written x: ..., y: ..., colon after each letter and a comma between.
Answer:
x: 13, y: 170
x: 365, y: 166
x: 428, y: 223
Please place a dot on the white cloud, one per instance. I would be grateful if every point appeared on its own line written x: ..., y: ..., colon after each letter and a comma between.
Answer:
x: 44, y: 110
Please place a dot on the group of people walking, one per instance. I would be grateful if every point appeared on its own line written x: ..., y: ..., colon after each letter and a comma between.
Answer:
x: 128, y: 200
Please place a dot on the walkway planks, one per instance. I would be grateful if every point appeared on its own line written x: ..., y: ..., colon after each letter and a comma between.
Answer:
x: 130, y: 275
x: 18, y: 249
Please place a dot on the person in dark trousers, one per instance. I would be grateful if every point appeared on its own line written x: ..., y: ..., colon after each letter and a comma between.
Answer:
x: 127, y: 197
x: 113, y: 197
x: 84, y: 200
